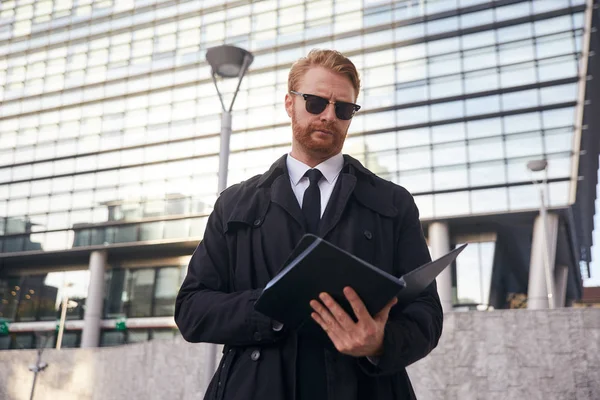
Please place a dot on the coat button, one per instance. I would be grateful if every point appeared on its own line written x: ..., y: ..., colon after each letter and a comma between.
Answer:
x: 255, y: 355
x: 257, y: 336
x: 368, y: 235
x: 276, y: 326
x: 257, y: 222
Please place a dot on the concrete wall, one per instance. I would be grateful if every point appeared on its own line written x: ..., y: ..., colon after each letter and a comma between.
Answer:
x: 516, y: 354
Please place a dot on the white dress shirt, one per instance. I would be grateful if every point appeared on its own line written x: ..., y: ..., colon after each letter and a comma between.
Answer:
x: 330, y: 169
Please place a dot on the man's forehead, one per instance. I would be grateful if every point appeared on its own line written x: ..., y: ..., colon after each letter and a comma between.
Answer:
x: 327, y: 85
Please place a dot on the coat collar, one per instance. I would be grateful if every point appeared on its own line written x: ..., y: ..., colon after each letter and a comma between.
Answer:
x: 370, y: 190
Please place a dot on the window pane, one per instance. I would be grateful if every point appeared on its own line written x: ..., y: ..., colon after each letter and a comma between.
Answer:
x: 140, y: 293
x: 112, y: 338
x: 450, y: 178
x: 482, y: 174
x: 474, y: 274
x: 168, y: 281
x: 451, y: 204
x: 115, y: 292
x: 489, y: 200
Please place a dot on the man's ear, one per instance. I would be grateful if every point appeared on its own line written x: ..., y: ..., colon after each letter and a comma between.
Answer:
x: 289, y: 105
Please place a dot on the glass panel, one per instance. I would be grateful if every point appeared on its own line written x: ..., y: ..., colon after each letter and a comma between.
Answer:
x: 524, y: 145
x: 5, y: 342
x: 425, y: 206
x: 29, y: 302
x: 70, y: 339
x: 448, y: 110
x: 451, y: 204
x: 449, y: 154
x: 474, y: 274
x: 168, y: 281
x: 483, y: 174
x: 137, y: 335
x: 127, y: 233
x: 486, y: 149
x: 558, y: 140
x: 522, y: 122
x: 23, y: 341
x: 450, y: 178
x: 523, y: 198
x: 417, y: 181
x: 162, y: 334
x: 115, y: 292
x: 151, y: 231
x: 141, y: 285
x: 415, y: 158
x: 112, y: 338
x: 489, y: 200
x: 9, y: 297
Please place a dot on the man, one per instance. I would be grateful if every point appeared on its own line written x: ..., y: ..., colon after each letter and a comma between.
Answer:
x: 257, y: 223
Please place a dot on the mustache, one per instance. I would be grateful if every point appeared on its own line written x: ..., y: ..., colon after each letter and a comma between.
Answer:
x: 323, y: 127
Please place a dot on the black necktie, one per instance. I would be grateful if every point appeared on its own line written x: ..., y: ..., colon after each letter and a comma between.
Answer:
x: 311, y: 203
x: 311, y: 374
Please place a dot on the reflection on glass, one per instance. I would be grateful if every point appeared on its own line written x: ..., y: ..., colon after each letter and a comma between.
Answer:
x: 450, y: 204
x: 162, y: 334
x: 474, y: 274
x: 523, y: 197
x: 489, y: 200
x: 112, y: 338
x: 488, y: 173
x: 140, y: 293
x: 450, y: 178
x: 168, y: 281
x: 39, y: 297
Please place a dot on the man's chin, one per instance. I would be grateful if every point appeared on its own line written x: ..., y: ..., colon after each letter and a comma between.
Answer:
x: 321, y: 148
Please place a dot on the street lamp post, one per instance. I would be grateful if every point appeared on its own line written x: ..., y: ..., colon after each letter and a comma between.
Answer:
x: 63, y: 315
x: 227, y: 62
x: 539, y: 166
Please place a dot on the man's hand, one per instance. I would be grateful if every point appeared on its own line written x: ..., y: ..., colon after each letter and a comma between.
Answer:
x: 363, y: 338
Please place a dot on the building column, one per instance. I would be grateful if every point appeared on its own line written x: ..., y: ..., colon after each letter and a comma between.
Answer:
x: 90, y: 336
x: 537, y: 295
x: 439, y: 241
x: 561, y: 275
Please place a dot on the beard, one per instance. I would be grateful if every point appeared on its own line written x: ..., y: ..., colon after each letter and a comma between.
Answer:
x: 317, y: 143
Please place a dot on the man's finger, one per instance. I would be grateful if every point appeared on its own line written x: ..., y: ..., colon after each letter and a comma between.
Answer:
x: 324, y: 313
x: 340, y: 315
x: 383, y: 315
x: 359, y: 308
x: 331, y: 331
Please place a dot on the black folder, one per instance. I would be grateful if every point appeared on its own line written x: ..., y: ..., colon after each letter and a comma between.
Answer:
x: 317, y: 266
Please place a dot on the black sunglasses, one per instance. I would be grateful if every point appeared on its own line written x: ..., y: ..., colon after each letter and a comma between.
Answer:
x: 317, y: 104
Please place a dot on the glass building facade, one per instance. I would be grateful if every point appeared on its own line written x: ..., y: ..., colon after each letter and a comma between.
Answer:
x: 109, y: 133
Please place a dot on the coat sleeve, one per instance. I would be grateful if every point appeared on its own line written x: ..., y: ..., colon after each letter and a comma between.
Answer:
x: 205, y: 309
x: 414, y: 331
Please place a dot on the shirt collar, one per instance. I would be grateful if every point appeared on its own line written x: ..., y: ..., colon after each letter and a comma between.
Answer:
x: 330, y: 168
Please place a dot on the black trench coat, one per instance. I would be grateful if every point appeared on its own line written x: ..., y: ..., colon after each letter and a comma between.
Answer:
x: 249, y: 235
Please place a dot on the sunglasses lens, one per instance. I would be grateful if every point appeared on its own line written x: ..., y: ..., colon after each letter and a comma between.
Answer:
x: 315, y: 104
x: 344, y: 111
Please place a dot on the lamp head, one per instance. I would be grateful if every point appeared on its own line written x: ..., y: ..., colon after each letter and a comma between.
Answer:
x: 537, y: 165
x: 227, y: 61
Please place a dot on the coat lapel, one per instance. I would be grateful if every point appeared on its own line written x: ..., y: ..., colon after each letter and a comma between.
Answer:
x: 278, y: 181
x: 337, y: 203
x: 283, y: 195
x: 354, y: 179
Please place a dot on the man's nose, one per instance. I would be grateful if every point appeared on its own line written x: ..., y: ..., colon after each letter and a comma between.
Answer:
x: 328, y: 113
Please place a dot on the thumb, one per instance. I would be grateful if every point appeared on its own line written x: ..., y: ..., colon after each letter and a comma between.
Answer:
x: 382, y: 316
